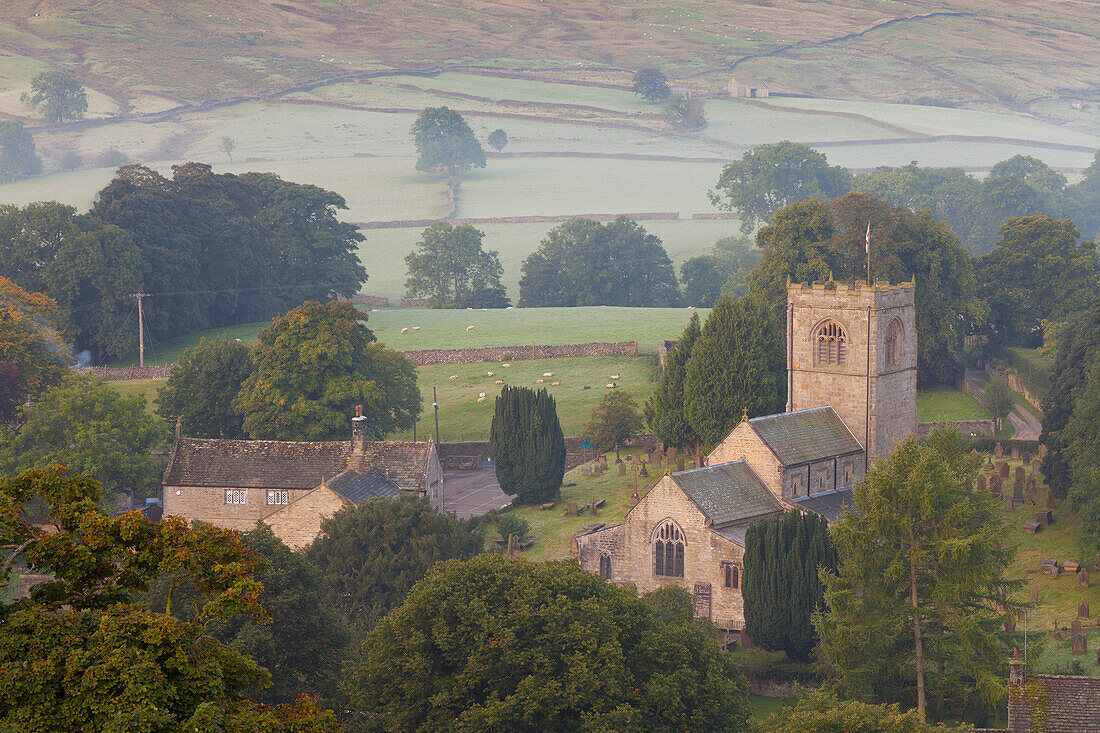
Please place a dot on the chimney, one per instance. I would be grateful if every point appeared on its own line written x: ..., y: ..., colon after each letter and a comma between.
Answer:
x: 1016, y: 669
x: 358, y: 430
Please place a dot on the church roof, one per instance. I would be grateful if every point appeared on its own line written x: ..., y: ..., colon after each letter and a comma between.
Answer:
x: 805, y: 435
x: 830, y: 505
x: 358, y: 487
x: 728, y: 492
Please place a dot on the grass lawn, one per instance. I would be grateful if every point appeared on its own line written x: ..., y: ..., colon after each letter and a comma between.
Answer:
x: 943, y: 404
x: 146, y: 388
x: 762, y: 707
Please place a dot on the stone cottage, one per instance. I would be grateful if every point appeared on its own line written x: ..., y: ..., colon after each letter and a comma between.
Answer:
x: 291, y: 484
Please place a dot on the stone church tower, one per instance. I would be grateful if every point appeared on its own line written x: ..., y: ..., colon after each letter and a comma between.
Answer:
x: 854, y: 347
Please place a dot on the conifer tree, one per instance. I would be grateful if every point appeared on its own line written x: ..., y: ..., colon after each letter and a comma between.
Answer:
x: 736, y: 366
x: 528, y: 445
x: 781, y: 588
x: 664, y: 411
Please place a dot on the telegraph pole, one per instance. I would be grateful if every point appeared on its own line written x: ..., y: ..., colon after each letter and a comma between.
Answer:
x: 435, y: 405
x: 141, y: 327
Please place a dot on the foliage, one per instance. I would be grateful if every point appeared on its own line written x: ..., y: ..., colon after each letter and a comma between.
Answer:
x: 583, y: 262
x: 227, y: 145
x: 451, y: 269
x: 528, y: 445
x: 664, y: 411
x: 736, y: 366
x: 707, y: 277
x: 510, y: 645
x: 371, y: 554
x: 58, y: 96
x: 769, y: 177
x: 445, y: 142
x: 313, y: 366
x: 614, y: 420
x: 919, y: 601
x: 79, y: 654
x: 686, y: 113
x: 651, y: 84
x: 1082, y: 452
x: 1038, y: 270
x: 782, y: 588
x: 998, y: 400
x: 951, y: 194
x: 512, y: 524
x: 498, y: 138
x: 821, y: 712
x: 32, y: 355
x: 202, y: 386
x: 1076, y: 352
x: 17, y: 156
x: 90, y: 428
x: 300, y: 646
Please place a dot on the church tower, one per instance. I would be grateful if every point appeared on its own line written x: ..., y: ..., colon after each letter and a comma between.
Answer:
x: 854, y: 347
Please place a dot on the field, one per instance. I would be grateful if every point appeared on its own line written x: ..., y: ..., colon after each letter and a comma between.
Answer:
x: 944, y: 404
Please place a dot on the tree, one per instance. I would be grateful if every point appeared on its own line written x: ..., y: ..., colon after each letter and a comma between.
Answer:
x: 86, y: 425
x: 444, y: 142
x: 664, y: 411
x: 312, y: 367
x: 614, y: 420
x: 227, y: 145
x: 31, y: 350
x: 951, y: 194
x: 651, y: 85
x: 782, y: 587
x: 1019, y: 186
x: 821, y: 712
x: 583, y: 262
x: 527, y: 444
x: 998, y: 401
x: 80, y: 654
x: 1039, y: 270
x: 707, y: 277
x: 498, y: 138
x: 301, y: 646
x: 371, y: 554
x: 512, y: 524
x: 685, y: 113
x: 202, y: 386
x: 736, y: 366
x: 1082, y: 454
x: 451, y: 269
x: 17, y: 156
x: 918, y: 604
x: 1078, y: 348
x: 769, y: 177
x: 58, y: 96
x: 514, y: 645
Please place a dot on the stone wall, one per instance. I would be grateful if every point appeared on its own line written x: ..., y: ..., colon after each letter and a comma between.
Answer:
x: 966, y: 427
x: 1012, y: 378
x: 207, y: 504
x: 132, y: 372
x: 299, y: 523
x: 473, y: 355
x: 452, y: 455
x: 1054, y: 704
x: 743, y: 442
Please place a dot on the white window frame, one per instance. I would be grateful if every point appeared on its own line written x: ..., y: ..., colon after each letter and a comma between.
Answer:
x: 278, y: 498
x: 236, y: 496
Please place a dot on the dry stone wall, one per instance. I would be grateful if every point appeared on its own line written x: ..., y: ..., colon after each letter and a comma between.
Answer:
x: 429, y: 357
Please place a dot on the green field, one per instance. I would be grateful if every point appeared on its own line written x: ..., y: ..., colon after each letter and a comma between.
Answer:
x: 947, y: 404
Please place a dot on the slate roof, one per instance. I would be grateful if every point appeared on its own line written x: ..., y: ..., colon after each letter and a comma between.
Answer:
x: 830, y: 505
x: 805, y: 435
x: 728, y: 493
x: 402, y: 461
x: 357, y: 487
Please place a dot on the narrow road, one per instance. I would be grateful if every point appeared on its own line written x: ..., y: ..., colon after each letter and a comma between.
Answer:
x: 1025, y: 425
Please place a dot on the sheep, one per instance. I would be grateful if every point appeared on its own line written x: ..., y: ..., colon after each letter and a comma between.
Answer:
x: 506, y: 365
x: 499, y: 381
x: 539, y: 381
x: 481, y: 394
x: 610, y: 385
x: 480, y: 399
x: 416, y: 328
x: 404, y: 330
x: 469, y: 308
x: 469, y: 328
x: 453, y: 377
x: 614, y: 376
x: 374, y: 310
x: 548, y: 374
x: 509, y: 308
x: 555, y: 384
x: 489, y: 374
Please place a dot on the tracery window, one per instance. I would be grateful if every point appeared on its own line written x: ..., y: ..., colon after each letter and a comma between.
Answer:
x: 668, y: 551
x: 893, y: 337
x: 831, y: 344
x: 605, y: 566
x: 730, y: 575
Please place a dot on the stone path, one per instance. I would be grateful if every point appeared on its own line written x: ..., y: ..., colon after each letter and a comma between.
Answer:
x: 1025, y: 425
x: 472, y: 493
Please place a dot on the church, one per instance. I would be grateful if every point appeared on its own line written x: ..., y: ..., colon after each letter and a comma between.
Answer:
x: 851, y: 397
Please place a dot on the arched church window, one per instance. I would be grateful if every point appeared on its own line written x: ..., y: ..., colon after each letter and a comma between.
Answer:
x: 605, y: 566
x: 893, y: 342
x: 831, y: 344
x: 668, y: 551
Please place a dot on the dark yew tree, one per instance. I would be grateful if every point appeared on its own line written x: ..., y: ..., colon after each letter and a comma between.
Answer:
x: 528, y: 445
x: 782, y: 588
x: 664, y: 411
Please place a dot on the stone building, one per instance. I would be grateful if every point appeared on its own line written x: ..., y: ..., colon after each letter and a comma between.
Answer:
x: 289, y: 484
x: 851, y: 384
x: 747, y: 90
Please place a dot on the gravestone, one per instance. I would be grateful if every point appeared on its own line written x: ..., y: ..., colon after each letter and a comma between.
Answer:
x: 998, y: 451
x: 1071, y: 566
x: 1015, y: 452
x: 995, y: 491
x: 600, y: 468
x: 1033, y: 595
x: 1043, y: 517
x: 1031, y: 490
x: 1018, y: 491
x: 622, y: 467
x: 672, y: 452
x: 571, y: 509
x: 643, y: 473
x: 1082, y: 578
x: 1010, y: 505
x: 1036, y: 464
x: 1050, y: 499
x: 1077, y: 639
x: 1082, y: 612
x: 1050, y: 568
x: 1010, y: 624
x: 1020, y: 474
x: 1031, y: 527
x: 592, y: 508
x: 989, y: 464
x: 635, y: 458
x: 1003, y: 470
x: 680, y: 462
x: 981, y: 483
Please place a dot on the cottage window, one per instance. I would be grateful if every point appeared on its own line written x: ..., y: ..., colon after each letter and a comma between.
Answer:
x: 831, y: 344
x: 668, y: 551
x: 605, y: 566
x: 275, y: 498
x: 730, y: 575
x: 235, y: 496
x: 893, y: 334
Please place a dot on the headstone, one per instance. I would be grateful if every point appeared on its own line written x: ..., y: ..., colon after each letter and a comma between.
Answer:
x: 1043, y: 517
x: 643, y: 473
x: 1010, y: 505
x: 1004, y: 469
x: 622, y: 467
x: 635, y: 458
x: 995, y: 492
x: 1033, y: 594
x: 1015, y: 452
x: 513, y: 545
x: 592, y: 508
x: 998, y: 451
x: 599, y: 468
x: 1082, y: 611
x: 571, y: 509
x: 603, y: 459
x: 1083, y: 578
x: 1077, y: 640
x: 1010, y: 624
x: 1031, y: 527
x: 548, y: 505
x: 1050, y: 499
x: 1018, y: 491
x: 1036, y: 464
x: 1020, y: 474
x: 1031, y: 490
x: 989, y: 464
x: 981, y: 483
x: 1071, y: 566
x: 680, y: 462
x: 1050, y: 568
x: 672, y: 452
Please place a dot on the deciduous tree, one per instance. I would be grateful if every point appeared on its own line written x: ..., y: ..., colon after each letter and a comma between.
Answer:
x: 821, y: 712
x: 498, y: 138
x: 313, y: 366
x: 444, y: 142
x: 614, y: 420
x: 651, y: 85
x: 57, y: 95
x: 664, y: 411
x: 32, y: 353
x: 1082, y: 452
x: 451, y: 270
x: 528, y: 445
x: 998, y: 401
x: 201, y: 389
x: 511, y: 644
x: 17, y: 156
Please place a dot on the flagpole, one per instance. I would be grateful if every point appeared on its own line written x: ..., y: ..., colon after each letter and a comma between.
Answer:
x: 868, y: 240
